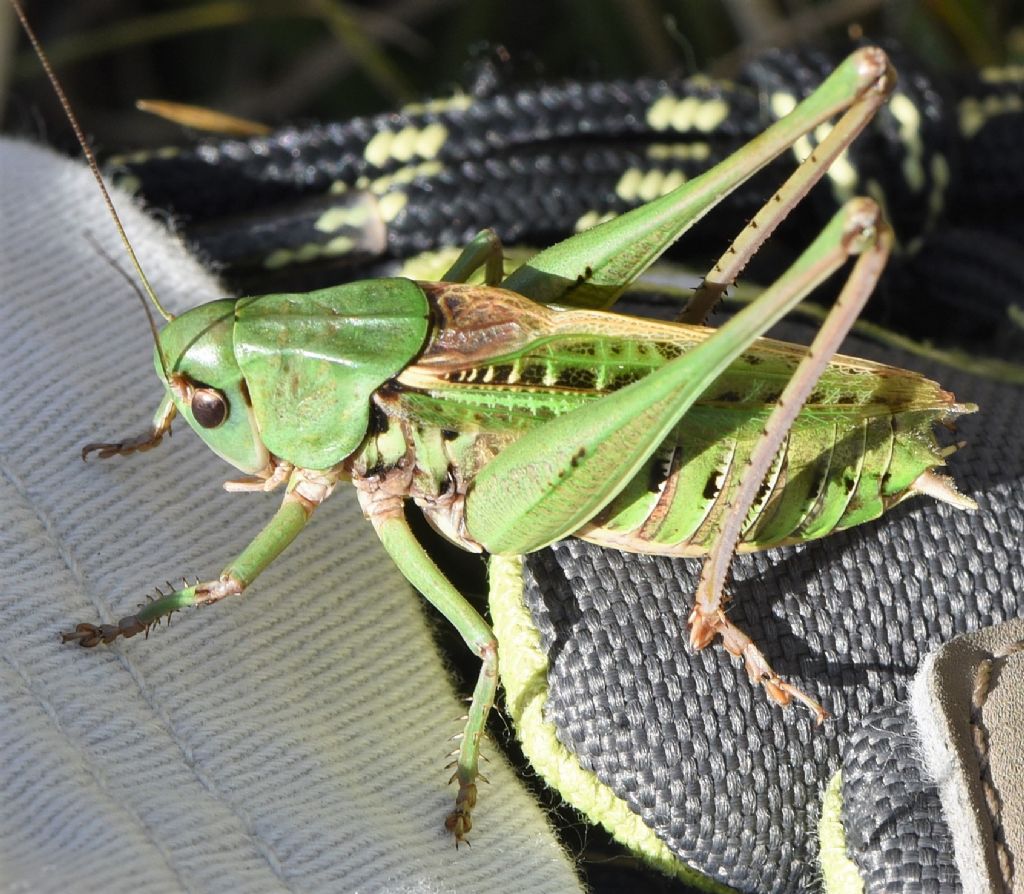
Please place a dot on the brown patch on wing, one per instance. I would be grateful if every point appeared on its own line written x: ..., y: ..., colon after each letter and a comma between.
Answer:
x: 475, y: 323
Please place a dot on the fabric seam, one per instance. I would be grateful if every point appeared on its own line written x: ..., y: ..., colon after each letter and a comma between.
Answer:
x: 980, y: 692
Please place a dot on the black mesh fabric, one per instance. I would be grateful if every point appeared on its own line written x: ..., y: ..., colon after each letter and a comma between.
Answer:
x: 895, y: 830
x: 729, y: 781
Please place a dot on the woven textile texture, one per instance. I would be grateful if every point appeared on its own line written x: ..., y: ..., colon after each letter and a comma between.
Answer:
x: 892, y: 812
x: 289, y: 740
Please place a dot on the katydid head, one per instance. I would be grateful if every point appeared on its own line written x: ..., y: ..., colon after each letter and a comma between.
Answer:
x: 195, y: 358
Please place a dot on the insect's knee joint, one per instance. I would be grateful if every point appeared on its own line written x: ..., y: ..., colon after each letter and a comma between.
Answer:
x: 875, y: 71
x: 488, y: 652
x: 226, y: 585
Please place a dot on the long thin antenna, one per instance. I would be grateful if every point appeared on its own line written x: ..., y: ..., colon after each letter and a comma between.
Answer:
x: 138, y: 292
x: 89, y: 156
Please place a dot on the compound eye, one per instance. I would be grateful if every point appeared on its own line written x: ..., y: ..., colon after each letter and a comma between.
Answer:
x: 209, y: 408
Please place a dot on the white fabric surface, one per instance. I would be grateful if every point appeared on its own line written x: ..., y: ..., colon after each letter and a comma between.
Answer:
x: 292, y: 739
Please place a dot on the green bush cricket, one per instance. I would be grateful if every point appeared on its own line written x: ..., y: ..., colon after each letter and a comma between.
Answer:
x: 523, y: 411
